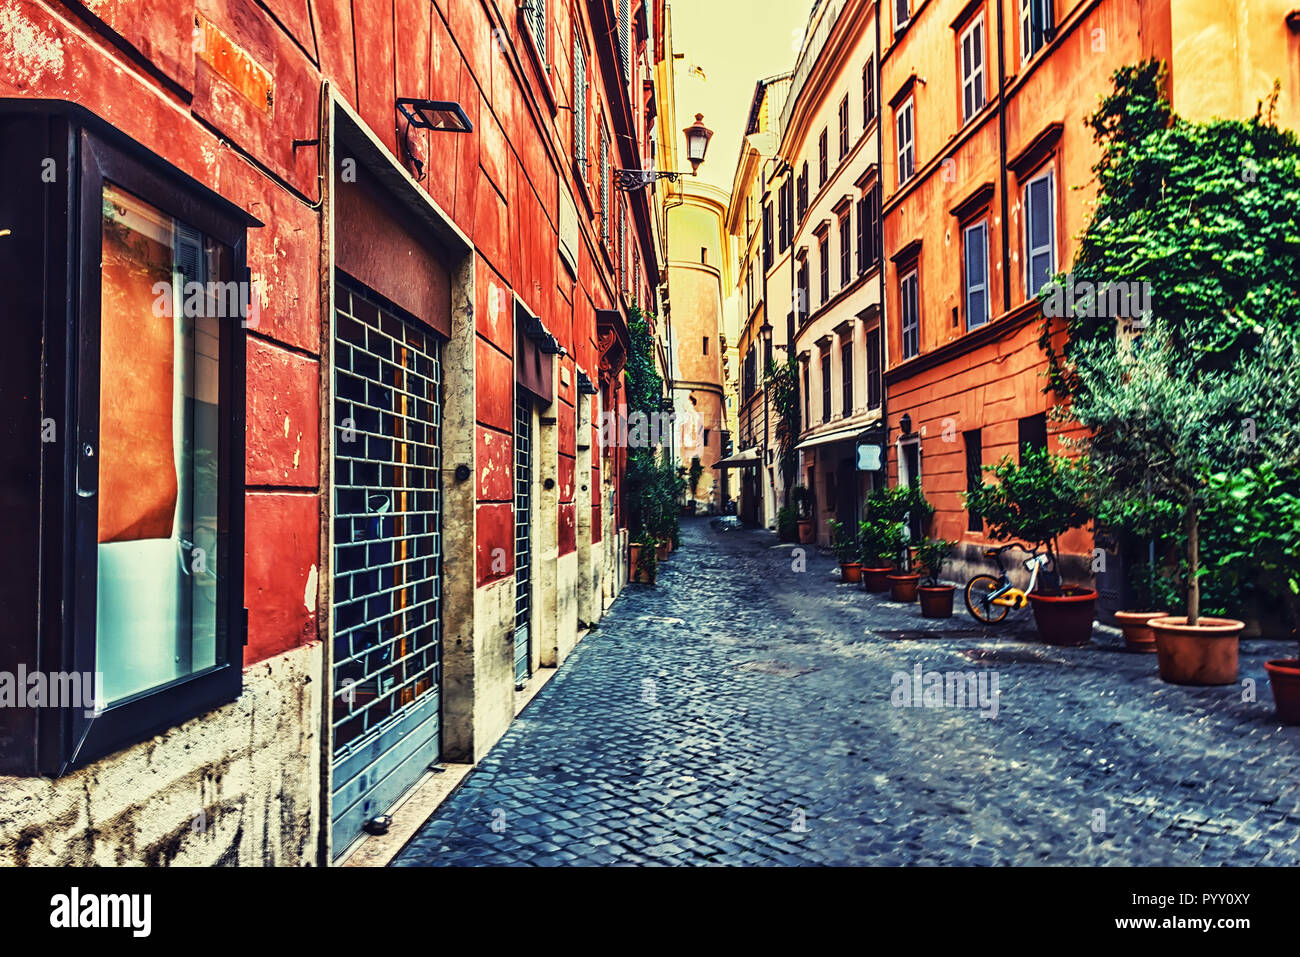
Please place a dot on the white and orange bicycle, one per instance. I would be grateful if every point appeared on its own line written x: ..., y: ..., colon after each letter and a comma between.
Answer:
x: 990, y: 597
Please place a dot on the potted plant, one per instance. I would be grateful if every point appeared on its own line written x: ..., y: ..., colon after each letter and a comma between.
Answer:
x: 787, y: 525
x: 845, y: 546
x: 1144, y: 585
x: 802, y: 497
x: 1038, y: 501
x: 643, y: 560
x: 696, y: 471
x: 879, y: 541
x: 1265, y: 505
x: 936, y: 599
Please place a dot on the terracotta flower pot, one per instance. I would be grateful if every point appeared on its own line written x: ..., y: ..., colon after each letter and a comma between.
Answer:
x: 851, y: 571
x: 1136, y: 626
x: 903, y: 587
x: 876, y: 579
x: 1065, y: 619
x: 634, y: 571
x: 1200, y: 654
x: 1284, y: 679
x: 807, y: 532
x: 936, y: 600
x: 663, y: 551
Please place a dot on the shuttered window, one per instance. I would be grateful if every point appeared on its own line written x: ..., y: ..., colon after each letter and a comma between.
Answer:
x: 535, y: 16
x: 579, y: 106
x: 625, y: 38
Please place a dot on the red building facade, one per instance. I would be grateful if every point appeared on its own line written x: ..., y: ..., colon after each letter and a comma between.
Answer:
x: 436, y: 319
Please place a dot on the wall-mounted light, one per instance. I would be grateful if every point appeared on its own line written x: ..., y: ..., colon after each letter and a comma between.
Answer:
x: 905, y: 423
x: 440, y: 115
x: 697, y: 142
x: 585, y: 385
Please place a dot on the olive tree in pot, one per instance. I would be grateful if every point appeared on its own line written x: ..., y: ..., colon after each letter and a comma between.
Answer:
x: 936, y: 598
x: 905, y: 505
x: 1264, y: 503
x: 845, y: 545
x: 1038, y: 501
x: 1167, y: 408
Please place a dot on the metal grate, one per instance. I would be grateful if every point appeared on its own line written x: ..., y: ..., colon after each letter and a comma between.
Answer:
x: 387, y: 558
x: 523, y: 515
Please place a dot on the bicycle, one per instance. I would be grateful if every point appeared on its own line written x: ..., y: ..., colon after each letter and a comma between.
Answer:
x: 990, y: 597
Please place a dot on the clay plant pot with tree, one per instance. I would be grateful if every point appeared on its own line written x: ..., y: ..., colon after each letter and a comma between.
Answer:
x: 693, y: 478
x: 804, y: 503
x: 1037, y: 501
x: 1198, y: 385
x: 936, y: 598
x: 847, y: 551
x: 879, y: 541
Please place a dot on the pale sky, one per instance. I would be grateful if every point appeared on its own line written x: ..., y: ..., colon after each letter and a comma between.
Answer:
x: 736, y: 43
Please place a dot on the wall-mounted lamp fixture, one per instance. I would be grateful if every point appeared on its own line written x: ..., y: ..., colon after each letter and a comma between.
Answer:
x: 905, y: 423
x: 585, y: 385
x: 439, y: 115
x: 697, y: 144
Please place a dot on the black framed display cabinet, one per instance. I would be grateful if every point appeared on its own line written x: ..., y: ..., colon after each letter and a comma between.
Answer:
x: 122, y: 403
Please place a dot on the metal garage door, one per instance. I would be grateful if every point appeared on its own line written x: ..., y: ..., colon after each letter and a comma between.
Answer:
x: 387, y: 559
x: 523, y: 516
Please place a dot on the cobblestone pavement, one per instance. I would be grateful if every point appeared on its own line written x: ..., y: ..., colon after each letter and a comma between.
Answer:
x: 740, y: 713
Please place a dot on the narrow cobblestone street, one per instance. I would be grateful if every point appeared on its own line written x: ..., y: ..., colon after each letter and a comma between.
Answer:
x: 740, y: 713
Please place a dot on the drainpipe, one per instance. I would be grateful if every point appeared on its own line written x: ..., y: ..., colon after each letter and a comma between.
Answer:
x: 1002, y: 164
x: 880, y: 185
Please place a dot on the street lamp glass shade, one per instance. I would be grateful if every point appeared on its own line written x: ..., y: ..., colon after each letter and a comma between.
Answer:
x: 697, y: 141
x: 905, y: 423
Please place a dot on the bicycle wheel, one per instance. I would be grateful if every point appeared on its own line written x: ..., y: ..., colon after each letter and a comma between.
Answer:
x: 977, y: 602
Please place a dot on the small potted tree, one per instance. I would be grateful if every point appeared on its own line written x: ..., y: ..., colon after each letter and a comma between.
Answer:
x: 936, y: 598
x: 693, y: 477
x: 1037, y: 502
x: 845, y: 545
x: 802, y: 497
x: 879, y: 541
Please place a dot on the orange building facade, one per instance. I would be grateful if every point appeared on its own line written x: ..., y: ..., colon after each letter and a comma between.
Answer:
x: 987, y: 182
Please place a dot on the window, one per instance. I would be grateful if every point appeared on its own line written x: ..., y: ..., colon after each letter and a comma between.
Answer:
x: 807, y: 392
x: 972, y: 69
x: 787, y: 213
x: 1036, y: 26
x: 803, y: 192
x: 534, y: 12
x: 789, y: 329
x: 846, y: 247
x: 873, y: 369
x: 579, y: 107
x: 846, y: 377
x: 823, y: 160
x: 803, y: 293
x: 975, y: 243
x: 826, y: 385
x: 706, y: 438
x: 974, y: 475
x: 1040, y: 233
x: 824, y: 255
x: 1031, y: 434
x: 906, y: 147
x: 868, y: 91
x: 706, y: 345
x: 909, y: 310
x: 844, y: 127
x: 139, y: 522
x: 704, y: 255
x: 901, y: 14
x: 625, y: 38
x: 767, y: 236
x: 869, y: 229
